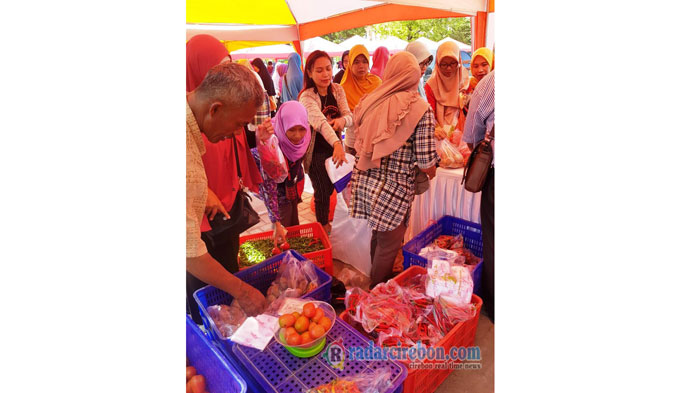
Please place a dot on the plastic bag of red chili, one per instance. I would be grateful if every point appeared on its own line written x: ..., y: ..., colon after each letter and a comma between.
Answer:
x: 272, y: 159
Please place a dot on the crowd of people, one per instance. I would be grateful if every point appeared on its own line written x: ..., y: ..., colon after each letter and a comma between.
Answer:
x: 384, y: 115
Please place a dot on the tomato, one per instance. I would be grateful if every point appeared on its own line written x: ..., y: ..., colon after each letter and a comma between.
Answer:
x: 198, y: 384
x: 286, y: 320
x: 281, y: 335
x: 296, y: 315
x: 290, y: 330
x: 311, y: 325
x: 325, y: 322
x: 308, y: 310
x: 294, y: 339
x: 285, y: 246
x: 190, y: 372
x: 189, y: 387
x: 275, y: 251
x: 318, y: 315
x: 301, y: 324
x: 317, y: 331
x: 306, y: 338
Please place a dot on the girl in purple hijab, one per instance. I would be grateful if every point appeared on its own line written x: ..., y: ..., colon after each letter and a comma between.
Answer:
x: 291, y: 127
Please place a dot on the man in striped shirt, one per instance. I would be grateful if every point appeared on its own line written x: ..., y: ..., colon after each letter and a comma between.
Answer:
x: 480, y: 121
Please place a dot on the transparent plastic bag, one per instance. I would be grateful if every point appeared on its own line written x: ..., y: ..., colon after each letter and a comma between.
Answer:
x: 272, y: 159
x: 448, y: 311
x: 299, y: 277
x: 376, y: 382
x: 450, y: 157
x: 227, y: 318
x: 447, y: 278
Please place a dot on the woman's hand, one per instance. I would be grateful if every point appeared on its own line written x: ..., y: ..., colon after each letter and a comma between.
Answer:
x: 279, y: 234
x: 337, y: 124
x: 339, y: 156
x: 213, y: 206
x: 264, y: 130
x: 440, y: 134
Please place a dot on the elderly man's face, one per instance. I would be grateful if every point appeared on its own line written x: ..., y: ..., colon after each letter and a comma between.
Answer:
x: 223, y: 121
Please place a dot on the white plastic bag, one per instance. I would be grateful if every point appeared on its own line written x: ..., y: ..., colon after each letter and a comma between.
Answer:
x: 340, y: 176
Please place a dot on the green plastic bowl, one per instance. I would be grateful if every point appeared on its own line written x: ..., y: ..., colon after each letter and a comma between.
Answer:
x: 309, y: 352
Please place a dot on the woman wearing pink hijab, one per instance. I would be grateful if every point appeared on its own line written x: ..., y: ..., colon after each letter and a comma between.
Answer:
x: 291, y: 127
x: 379, y: 61
x: 446, y: 88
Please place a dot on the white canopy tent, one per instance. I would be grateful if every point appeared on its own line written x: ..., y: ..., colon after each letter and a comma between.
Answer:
x: 318, y: 43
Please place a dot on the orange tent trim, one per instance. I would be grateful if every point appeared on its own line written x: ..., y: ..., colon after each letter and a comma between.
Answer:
x: 371, y: 16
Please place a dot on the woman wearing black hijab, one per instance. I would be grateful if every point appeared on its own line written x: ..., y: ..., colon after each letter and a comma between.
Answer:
x: 261, y: 69
x: 342, y: 65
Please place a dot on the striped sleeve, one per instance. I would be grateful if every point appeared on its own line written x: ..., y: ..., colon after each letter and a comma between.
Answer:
x: 481, y: 110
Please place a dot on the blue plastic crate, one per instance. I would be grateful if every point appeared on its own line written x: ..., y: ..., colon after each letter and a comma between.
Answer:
x: 260, y: 277
x: 220, y: 375
x: 276, y: 370
x: 447, y: 225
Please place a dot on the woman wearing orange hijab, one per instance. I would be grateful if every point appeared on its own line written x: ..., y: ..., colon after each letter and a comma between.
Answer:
x: 481, y: 65
x: 446, y: 88
x: 357, y: 81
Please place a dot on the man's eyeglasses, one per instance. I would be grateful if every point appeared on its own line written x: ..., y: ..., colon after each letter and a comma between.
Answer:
x: 449, y: 65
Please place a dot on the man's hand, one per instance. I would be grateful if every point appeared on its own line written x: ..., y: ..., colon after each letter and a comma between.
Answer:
x: 213, y: 206
x: 339, y: 156
x: 440, y: 133
x: 337, y: 124
x: 430, y: 171
x: 264, y: 130
x: 279, y: 234
x: 251, y: 300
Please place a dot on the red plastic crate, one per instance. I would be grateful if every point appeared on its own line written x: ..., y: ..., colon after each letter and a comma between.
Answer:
x: 322, y: 258
x: 462, y: 335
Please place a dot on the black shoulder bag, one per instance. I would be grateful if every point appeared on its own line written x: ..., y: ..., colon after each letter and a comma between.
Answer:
x: 242, y: 214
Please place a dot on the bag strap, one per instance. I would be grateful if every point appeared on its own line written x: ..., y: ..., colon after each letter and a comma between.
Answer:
x: 236, y: 157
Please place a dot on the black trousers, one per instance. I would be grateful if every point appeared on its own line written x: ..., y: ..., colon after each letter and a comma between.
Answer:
x: 289, y: 214
x: 225, y: 249
x: 323, y: 188
x: 488, y: 234
x: 384, y: 246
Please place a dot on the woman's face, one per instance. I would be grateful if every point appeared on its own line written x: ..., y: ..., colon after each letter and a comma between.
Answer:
x: 424, y: 65
x: 296, y: 134
x: 360, y: 66
x: 480, y: 67
x: 346, y: 62
x: 321, y: 72
x: 448, y: 66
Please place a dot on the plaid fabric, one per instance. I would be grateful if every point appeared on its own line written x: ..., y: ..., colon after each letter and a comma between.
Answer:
x: 384, y: 195
x: 263, y: 113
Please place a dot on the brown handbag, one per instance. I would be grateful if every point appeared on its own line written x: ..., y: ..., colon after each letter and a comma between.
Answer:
x: 480, y: 160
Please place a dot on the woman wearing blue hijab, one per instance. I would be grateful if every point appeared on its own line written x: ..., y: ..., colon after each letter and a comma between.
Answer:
x: 293, y: 79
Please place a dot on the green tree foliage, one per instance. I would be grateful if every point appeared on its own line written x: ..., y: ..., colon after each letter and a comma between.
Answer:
x: 434, y: 29
x: 343, y: 35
